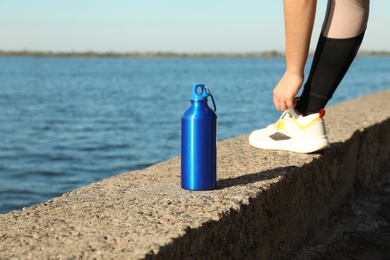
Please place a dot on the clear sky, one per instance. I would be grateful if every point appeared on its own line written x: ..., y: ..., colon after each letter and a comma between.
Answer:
x: 158, y: 25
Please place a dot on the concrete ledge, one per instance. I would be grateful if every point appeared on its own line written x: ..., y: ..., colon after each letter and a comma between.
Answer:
x: 267, y: 205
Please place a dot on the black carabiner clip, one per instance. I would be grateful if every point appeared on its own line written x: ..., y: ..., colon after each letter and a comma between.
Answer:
x: 212, y: 98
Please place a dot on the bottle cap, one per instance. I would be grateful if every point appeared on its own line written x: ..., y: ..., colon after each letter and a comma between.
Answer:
x: 201, y: 92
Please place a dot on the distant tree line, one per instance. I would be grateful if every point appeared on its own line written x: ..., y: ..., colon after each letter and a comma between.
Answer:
x: 93, y: 54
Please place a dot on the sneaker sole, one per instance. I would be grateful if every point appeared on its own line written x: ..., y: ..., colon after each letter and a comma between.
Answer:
x: 307, y: 145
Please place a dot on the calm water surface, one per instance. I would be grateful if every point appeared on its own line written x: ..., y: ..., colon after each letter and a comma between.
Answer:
x: 68, y: 122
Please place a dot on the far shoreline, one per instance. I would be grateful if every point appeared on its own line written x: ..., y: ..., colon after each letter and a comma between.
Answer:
x: 94, y: 54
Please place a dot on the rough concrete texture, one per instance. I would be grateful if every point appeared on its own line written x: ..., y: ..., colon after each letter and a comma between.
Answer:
x: 267, y: 205
x: 360, y: 230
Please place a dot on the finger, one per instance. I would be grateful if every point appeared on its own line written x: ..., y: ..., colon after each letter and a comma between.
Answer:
x: 281, y: 105
x: 290, y: 103
x: 284, y: 106
x: 276, y: 103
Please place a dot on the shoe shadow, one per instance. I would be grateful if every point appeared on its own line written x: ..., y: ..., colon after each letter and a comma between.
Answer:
x: 254, y: 177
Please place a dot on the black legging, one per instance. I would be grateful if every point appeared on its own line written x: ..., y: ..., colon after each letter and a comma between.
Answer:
x: 342, y: 33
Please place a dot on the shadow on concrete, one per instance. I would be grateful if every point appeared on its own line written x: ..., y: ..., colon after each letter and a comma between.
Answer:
x: 254, y: 177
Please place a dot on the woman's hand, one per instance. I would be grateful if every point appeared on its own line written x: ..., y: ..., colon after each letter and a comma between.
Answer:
x: 286, y: 90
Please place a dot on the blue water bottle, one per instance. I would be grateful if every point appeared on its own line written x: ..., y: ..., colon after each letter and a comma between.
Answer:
x: 199, y: 142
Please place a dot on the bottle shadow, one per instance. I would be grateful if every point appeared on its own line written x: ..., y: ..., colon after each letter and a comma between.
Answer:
x: 254, y: 177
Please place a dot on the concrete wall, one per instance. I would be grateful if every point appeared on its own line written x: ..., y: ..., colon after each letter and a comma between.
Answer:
x: 267, y: 205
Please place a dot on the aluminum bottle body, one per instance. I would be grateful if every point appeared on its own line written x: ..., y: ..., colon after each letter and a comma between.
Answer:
x: 199, y: 147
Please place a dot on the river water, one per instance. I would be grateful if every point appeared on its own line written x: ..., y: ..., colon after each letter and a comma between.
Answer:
x: 68, y: 122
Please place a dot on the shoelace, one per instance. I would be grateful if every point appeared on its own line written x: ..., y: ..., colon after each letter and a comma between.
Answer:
x: 280, y: 122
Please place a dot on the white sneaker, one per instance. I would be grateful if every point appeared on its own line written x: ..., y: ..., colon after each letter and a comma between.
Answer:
x: 293, y: 132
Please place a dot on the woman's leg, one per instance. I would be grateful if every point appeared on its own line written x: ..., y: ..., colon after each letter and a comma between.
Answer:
x: 342, y: 33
